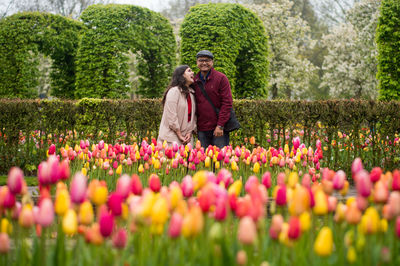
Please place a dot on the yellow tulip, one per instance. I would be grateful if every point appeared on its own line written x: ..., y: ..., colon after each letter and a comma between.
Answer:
x: 305, y: 221
x: 234, y: 166
x: 321, y: 203
x: 235, y: 188
x: 217, y: 165
x: 383, y: 226
x: 141, y: 169
x: 193, y: 222
x: 159, y: 212
x: 199, y: 179
x: 286, y: 149
x: 256, y: 167
x: 323, y: 244
x: 86, y: 213
x: 351, y: 254
x: 62, y: 202
x: 175, y: 195
x: 100, y: 195
x: 70, y: 222
x: 293, y: 179
x: 147, y: 204
x: 6, y: 226
x: 370, y: 221
x: 84, y: 171
x: 207, y: 162
x: 299, y: 200
x: 125, y: 211
x: 119, y: 170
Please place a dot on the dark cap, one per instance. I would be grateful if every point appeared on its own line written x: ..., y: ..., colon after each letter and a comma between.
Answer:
x: 205, y: 53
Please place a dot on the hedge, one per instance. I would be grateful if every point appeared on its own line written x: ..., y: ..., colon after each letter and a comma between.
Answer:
x: 22, y: 36
x: 113, y: 31
x: 388, y: 41
x: 238, y: 40
x: 131, y: 120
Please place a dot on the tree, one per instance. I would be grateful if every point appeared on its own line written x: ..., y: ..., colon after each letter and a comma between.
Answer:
x: 179, y: 8
x: 333, y: 12
x: 290, y: 72
x: 350, y: 65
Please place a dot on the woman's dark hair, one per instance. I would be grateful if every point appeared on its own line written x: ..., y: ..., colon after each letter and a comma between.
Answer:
x: 177, y: 80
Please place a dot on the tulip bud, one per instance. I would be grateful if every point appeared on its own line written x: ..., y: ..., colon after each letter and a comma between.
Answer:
x: 26, y: 218
x: 380, y: 192
x: 62, y: 202
x: 187, y: 186
x: 119, y: 239
x: 175, y: 225
x: 356, y: 166
x: 323, y: 244
x: 136, y: 185
x: 294, y: 228
x: 281, y: 196
x: 70, y: 222
x: 64, y: 171
x: 7, y: 199
x: 221, y: 211
x: 321, y: 203
x: 375, y: 174
x: 396, y: 180
x: 363, y: 183
x: 159, y: 212
x: 46, y: 213
x: 106, y: 224
x: 15, y: 180
x: 124, y: 186
x: 241, y: 257
x: 86, y: 214
x: 52, y: 149
x: 338, y: 180
x: 115, y: 204
x: 154, y: 183
x: 266, y: 179
x: 247, y: 232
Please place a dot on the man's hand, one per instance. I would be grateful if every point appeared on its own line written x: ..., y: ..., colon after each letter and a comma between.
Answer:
x: 218, y: 132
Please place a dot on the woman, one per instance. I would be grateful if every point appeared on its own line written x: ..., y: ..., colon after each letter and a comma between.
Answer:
x: 179, y: 119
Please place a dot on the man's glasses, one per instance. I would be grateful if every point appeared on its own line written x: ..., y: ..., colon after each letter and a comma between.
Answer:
x: 207, y: 60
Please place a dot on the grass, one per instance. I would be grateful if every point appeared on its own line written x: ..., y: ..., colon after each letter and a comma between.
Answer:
x: 30, y: 180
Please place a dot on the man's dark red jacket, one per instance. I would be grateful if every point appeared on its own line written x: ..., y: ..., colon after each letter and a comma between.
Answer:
x: 218, y: 89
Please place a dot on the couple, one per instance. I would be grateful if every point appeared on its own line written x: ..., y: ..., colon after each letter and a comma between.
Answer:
x: 187, y: 110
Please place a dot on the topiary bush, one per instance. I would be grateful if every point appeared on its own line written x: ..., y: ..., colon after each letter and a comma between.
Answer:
x: 388, y: 40
x: 22, y: 36
x: 113, y: 31
x: 236, y: 37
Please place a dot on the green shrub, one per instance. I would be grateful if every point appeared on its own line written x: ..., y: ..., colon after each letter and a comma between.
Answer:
x: 238, y: 40
x: 22, y: 36
x: 388, y: 40
x: 113, y: 31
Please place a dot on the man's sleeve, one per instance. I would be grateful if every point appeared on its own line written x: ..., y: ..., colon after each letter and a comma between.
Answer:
x: 226, y: 101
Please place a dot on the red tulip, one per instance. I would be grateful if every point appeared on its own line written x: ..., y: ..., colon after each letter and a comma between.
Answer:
x: 119, y: 238
x: 7, y: 199
x: 15, y: 180
x: 281, y: 196
x: 175, y: 225
x: 294, y: 228
x: 252, y: 181
x: 106, y: 224
x: 154, y: 183
x: 206, y: 198
x: 64, y: 171
x: 78, y: 188
x: 115, y: 204
x: 136, y: 185
x: 375, y: 174
x: 52, y: 149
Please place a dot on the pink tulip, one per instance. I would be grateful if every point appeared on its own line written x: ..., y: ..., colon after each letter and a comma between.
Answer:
x: 338, y: 180
x: 7, y: 199
x: 221, y: 209
x: 306, y: 181
x: 82, y: 144
x: 247, y: 232
x: 44, y: 173
x: 224, y: 176
x: 398, y: 226
x: 175, y: 225
x: 206, y: 198
x: 363, y: 183
x: 136, y: 185
x: 362, y: 203
x: 52, y: 149
x: 106, y: 224
x: 15, y: 180
x: 296, y: 143
x: 53, y: 163
x: 394, y: 203
x: 124, y: 185
x: 64, y: 171
x: 276, y: 226
x: 280, y: 179
x: 252, y: 181
x: 356, y: 167
x: 187, y: 186
x: 101, y: 144
x: 281, y: 196
x: 332, y: 202
x: 154, y: 183
x: 26, y: 218
x: 396, y: 180
x: 266, y: 180
x: 119, y: 239
x: 78, y: 188
x: 115, y: 204
x: 380, y: 192
x: 4, y: 243
x: 294, y: 228
x: 46, y: 213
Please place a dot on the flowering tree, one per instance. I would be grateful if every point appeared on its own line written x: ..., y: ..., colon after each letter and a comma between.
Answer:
x: 350, y: 65
x: 290, y: 72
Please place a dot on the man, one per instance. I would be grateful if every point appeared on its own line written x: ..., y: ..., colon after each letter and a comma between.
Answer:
x: 210, y: 127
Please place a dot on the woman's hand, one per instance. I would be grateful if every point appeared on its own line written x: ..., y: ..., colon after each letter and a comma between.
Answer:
x: 187, y: 138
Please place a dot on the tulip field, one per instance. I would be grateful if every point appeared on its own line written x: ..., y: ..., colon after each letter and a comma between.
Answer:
x: 149, y: 204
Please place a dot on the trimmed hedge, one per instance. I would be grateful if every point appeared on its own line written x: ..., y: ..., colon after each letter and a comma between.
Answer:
x: 102, y: 58
x: 388, y: 41
x: 129, y: 121
x: 22, y: 36
x: 238, y: 40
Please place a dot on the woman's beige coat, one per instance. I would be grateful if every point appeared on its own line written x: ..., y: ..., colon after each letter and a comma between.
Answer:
x: 175, y: 116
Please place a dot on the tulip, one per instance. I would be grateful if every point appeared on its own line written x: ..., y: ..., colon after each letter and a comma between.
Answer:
x: 52, y: 149
x: 266, y: 179
x: 46, y: 213
x: 175, y: 225
x: 353, y: 214
x: 5, y: 226
x: 340, y: 213
x: 193, y: 222
x: 206, y: 198
x: 119, y: 239
x: 294, y: 228
x: 100, y: 195
x: 351, y: 254
x: 276, y: 226
x: 124, y: 186
x: 398, y: 227
x: 86, y: 213
x: 159, y: 212
x: 370, y: 221
x: 293, y: 179
x: 247, y: 231
x: 15, y: 180
x: 115, y: 204
x: 136, y: 185
x: 300, y: 201
x: 4, y: 243
x: 235, y: 188
x: 70, y: 222
x: 394, y: 203
x: 363, y: 183
x: 7, y: 199
x: 199, y: 179
x: 380, y: 192
x: 26, y: 218
x: 63, y: 170
x: 375, y: 174
x: 241, y: 257
x: 53, y: 168
x: 106, y: 224
x: 305, y: 221
x: 187, y: 186
x: 62, y: 202
x: 396, y: 180
x: 154, y: 183
x: 339, y: 179
x: 281, y: 196
x: 175, y: 195
x: 323, y: 244
x: 356, y: 166
x: 321, y: 203
x: 78, y: 188
x: 221, y: 211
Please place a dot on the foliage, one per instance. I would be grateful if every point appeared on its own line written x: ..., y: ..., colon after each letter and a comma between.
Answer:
x: 238, y: 41
x: 290, y: 72
x: 113, y: 30
x: 350, y: 65
x: 388, y: 39
x: 23, y: 36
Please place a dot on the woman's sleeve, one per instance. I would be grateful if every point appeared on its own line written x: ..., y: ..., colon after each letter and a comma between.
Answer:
x: 170, y: 109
